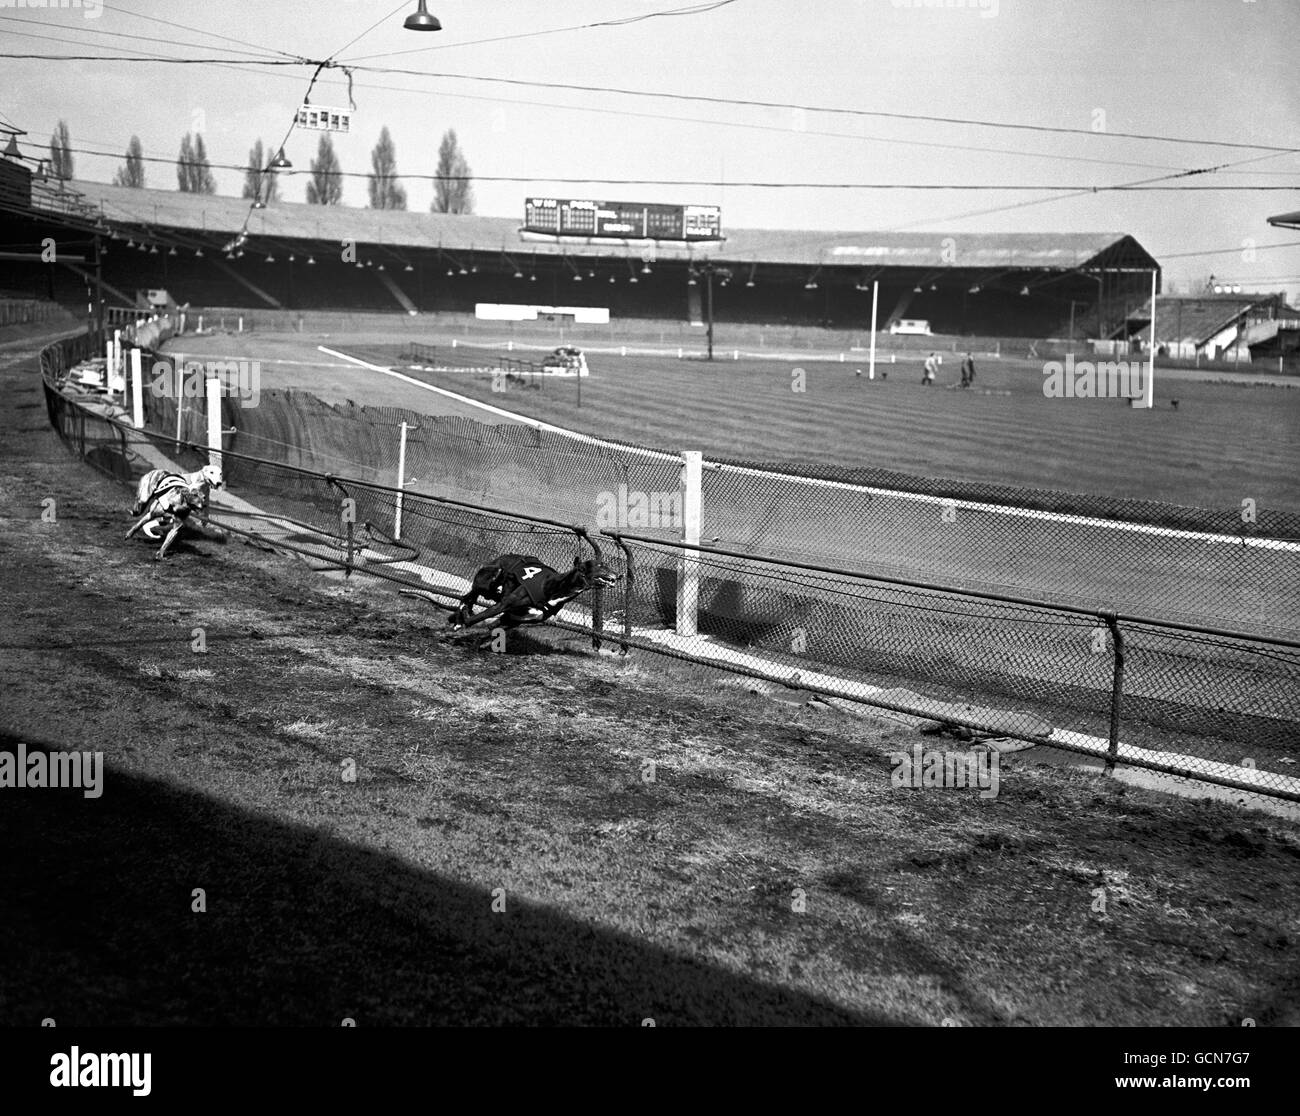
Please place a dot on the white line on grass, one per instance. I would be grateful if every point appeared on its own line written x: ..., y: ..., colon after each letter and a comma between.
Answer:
x: 511, y: 415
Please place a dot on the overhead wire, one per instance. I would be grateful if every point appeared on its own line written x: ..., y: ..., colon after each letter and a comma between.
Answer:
x: 694, y: 98
x: 1139, y: 185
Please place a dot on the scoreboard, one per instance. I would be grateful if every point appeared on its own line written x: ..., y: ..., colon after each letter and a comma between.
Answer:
x: 624, y: 220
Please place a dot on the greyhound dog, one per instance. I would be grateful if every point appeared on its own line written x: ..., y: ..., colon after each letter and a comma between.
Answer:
x: 200, y: 483
x: 524, y: 589
x: 164, y: 501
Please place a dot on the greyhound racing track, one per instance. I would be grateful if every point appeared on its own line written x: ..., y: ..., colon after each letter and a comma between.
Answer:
x: 521, y: 777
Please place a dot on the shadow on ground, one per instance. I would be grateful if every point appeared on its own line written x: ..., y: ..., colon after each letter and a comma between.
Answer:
x: 304, y: 929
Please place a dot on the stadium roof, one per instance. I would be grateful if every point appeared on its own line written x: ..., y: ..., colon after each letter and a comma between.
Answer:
x: 1199, y: 317
x: 212, y: 216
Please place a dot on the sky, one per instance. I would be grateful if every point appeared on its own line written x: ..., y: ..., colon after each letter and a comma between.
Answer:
x: 1217, y: 72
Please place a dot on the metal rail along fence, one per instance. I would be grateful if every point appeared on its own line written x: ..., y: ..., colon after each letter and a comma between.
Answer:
x: 1194, y: 699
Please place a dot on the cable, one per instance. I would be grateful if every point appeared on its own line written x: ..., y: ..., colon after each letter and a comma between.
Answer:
x: 746, y: 125
x: 367, y: 31
x: 133, y: 38
x: 830, y: 110
x: 687, y: 97
x: 1139, y: 186
x: 185, y: 27
x: 733, y: 124
x: 697, y: 9
x: 1044, y: 201
x: 1232, y: 251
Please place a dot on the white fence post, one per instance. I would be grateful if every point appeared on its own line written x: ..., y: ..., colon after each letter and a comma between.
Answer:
x: 180, y: 395
x: 108, y: 361
x: 214, y: 421
x: 875, y: 306
x: 137, y: 391
x: 688, y: 573
x: 401, y: 482
x: 1149, y: 392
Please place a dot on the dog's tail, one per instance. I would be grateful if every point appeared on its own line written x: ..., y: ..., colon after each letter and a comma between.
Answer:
x: 424, y: 594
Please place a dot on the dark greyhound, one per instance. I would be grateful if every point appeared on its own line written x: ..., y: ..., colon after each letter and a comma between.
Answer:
x: 523, y: 589
x: 165, y: 513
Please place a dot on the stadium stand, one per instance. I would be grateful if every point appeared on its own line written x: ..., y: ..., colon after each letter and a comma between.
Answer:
x: 297, y: 256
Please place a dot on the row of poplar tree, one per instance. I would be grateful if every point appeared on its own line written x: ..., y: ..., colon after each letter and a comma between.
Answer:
x: 453, y: 190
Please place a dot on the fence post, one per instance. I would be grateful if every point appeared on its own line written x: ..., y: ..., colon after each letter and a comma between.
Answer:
x: 401, y: 482
x: 214, y: 421
x: 628, y: 578
x: 688, y: 572
x: 875, y: 324
x: 180, y: 396
x: 1117, y: 689
x: 137, y: 391
x: 597, y: 590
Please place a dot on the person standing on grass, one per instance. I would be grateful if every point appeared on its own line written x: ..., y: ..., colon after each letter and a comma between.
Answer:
x: 931, y: 367
x: 968, y: 372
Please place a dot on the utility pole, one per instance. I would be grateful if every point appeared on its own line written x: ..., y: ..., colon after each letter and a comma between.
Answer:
x: 99, y: 287
x: 725, y: 274
x: 708, y: 303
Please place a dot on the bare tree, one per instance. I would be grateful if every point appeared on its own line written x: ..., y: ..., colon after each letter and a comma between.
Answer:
x: 325, y: 187
x: 259, y: 182
x: 61, y: 152
x: 453, y: 192
x: 193, y: 171
x: 132, y: 172
x: 385, y: 191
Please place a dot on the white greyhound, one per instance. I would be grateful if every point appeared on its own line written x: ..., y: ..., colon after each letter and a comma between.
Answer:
x: 200, y: 484
x: 165, y: 500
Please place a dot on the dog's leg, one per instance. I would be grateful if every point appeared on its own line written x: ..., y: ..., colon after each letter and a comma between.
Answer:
x: 488, y: 613
x: 480, y: 586
x: 139, y: 523
x: 171, y: 537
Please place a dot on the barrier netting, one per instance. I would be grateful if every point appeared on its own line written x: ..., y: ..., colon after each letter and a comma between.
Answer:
x: 921, y: 599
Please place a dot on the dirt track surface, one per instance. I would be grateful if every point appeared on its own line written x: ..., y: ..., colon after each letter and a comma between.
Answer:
x: 623, y: 899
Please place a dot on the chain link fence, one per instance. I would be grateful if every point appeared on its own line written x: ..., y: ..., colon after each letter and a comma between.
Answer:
x: 932, y: 616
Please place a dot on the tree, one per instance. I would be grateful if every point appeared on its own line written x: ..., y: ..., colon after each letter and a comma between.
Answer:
x: 258, y: 181
x: 453, y: 191
x: 385, y: 191
x: 61, y: 152
x: 132, y: 173
x: 193, y: 171
x: 325, y: 187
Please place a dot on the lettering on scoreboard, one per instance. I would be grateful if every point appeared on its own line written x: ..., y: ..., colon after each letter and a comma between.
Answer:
x: 625, y: 220
x: 322, y: 118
